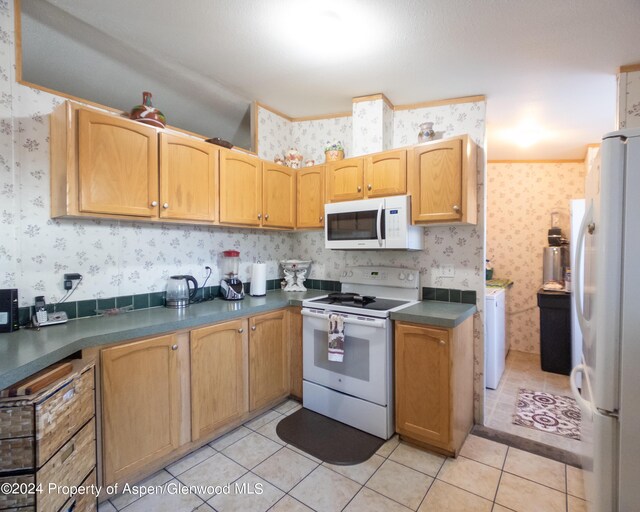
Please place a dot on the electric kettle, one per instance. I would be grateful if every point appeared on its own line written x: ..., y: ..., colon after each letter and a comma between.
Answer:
x: 179, y: 294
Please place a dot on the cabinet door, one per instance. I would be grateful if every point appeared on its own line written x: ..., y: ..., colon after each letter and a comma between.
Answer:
x: 141, y: 404
x: 295, y: 338
x: 218, y: 376
x: 344, y: 180
x: 117, y: 165
x: 386, y: 174
x: 240, y: 189
x: 436, y: 182
x: 268, y: 358
x: 278, y: 196
x: 311, y: 197
x: 188, y: 178
x: 422, y: 383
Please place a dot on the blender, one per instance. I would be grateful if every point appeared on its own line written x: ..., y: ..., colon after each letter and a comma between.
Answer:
x: 231, y: 287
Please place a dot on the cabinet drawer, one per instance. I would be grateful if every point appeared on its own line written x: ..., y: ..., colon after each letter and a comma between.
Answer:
x: 33, y: 430
x: 83, y: 502
x: 69, y: 466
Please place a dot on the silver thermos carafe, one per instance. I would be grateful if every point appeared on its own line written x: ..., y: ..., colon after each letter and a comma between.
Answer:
x: 554, y: 261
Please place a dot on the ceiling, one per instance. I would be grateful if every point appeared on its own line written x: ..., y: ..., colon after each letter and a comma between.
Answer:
x: 547, y: 67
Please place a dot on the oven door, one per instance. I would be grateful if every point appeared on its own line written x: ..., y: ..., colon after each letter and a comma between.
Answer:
x: 365, y: 371
x: 355, y: 224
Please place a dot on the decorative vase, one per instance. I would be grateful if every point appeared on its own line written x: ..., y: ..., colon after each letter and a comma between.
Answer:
x: 147, y: 113
x: 426, y: 132
x: 334, y: 155
x: 293, y: 158
x: 310, y: 163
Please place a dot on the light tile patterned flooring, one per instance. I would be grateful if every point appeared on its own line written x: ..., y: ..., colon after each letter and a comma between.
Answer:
x: 522, y: 370
x: 486, y: 477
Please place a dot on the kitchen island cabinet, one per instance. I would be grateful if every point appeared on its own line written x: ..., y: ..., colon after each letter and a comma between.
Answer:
x: 434, y: 384
x: 442, y: 182
x: 219, y: 375
x: 142, y: 399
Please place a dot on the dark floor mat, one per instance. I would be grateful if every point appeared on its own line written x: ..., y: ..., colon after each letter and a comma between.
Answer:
x: 327, y: 439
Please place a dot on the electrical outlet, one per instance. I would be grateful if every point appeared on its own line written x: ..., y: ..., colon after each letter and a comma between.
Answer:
x: 69, y: 279
x: 448, y: 270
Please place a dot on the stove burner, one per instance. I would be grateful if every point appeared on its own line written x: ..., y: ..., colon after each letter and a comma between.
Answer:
x: 339, y: 298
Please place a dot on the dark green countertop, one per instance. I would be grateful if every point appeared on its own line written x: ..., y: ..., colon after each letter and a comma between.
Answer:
x: 434, y: 312
x: 27, y: 351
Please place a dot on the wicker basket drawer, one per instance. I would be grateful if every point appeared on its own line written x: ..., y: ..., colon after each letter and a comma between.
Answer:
x: 83, y: 502
x: 33, y: 430
x: 68, y: 467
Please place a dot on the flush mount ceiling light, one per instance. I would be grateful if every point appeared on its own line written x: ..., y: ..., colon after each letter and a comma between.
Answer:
x: 328, y: 31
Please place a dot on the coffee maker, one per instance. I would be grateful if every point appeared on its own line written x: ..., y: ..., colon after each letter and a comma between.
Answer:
x: 231, y: 288
x: 555, y: 258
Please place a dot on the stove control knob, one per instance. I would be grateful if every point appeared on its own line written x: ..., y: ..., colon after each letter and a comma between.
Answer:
x: 402, y: 276
x: 410, y: 277
x: 350, y: 273
x: 344, y: 274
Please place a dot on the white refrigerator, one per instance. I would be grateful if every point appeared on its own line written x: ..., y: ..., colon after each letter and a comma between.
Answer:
x: 608, y: 306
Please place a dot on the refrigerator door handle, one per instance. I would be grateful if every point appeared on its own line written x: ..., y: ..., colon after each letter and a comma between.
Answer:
x: 585, y: 405
x: 577, y: 277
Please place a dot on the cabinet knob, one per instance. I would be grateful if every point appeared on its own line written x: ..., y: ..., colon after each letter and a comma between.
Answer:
x: 359, y: 188
x: 456, y: 208
x: 253, y: 327
x: 259, y: 216
x: 174, y: 347
x: 165, y: 205
x: 154, y: 203
x: 442, y: 342
x: 266, y: 217
x: 241, y: 330
x: 369, y: 187
x: 321, y: 217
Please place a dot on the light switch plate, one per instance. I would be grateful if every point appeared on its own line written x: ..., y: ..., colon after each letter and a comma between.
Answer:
x: 447, y: 270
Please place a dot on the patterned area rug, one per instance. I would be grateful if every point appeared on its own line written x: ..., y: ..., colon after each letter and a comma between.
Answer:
x: 549, y: 413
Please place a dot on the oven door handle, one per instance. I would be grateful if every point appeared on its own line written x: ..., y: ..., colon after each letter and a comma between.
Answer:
x: 379, y: 223
x: 378, y: 323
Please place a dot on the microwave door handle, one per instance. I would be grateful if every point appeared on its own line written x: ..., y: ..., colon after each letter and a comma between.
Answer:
x: 379, y: 224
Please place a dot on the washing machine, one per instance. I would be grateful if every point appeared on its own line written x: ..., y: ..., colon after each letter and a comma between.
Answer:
x: 495, y: 342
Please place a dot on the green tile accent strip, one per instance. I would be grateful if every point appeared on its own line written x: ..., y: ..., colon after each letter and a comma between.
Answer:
x: 156, y: 299
x: 449, y: 295
x: 87, y: 308
x: 69, y: 308
x: 109, y: 303
x: 141, y: 301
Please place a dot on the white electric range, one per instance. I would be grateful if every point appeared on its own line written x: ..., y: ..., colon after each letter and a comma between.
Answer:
x: 359, y: 390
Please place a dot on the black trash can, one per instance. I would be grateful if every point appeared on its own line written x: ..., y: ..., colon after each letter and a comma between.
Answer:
x: 555, y: 331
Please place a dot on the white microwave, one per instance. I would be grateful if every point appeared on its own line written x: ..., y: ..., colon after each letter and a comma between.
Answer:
x: 383, y: 223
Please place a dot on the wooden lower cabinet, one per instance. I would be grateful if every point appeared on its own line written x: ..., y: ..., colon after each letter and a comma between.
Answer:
x: 141, y: 403
x: 434, y: 384
x: 218, y: 376
x: 268, y: 358
x: 295, y: 339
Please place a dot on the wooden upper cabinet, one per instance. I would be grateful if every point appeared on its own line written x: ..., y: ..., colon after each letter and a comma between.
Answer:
x: 188, y: 178
x: 278, y: 196
x: 141, y: 404
x: 442, y: 182
x: 422, y: 383
x: 385, y: 174
x: 269, y: 371
x: 310, y: 208
x: 117, y: 165
x: 240, y: 189
x: 344, y: 180
x: 219, y: 392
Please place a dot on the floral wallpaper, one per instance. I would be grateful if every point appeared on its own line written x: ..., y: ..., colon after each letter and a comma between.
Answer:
x: 115, y: 258
x: 368, y: 127
x: 520, y: 198
x: 629, y: 100
x: 276, y: 134
x: 387, y: 128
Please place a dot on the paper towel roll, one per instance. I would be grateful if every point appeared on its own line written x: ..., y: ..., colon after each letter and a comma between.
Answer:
x: 258, y: 280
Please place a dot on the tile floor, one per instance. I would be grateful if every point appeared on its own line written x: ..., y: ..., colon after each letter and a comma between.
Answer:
x: 522, y: 370
x: 486, y: 477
